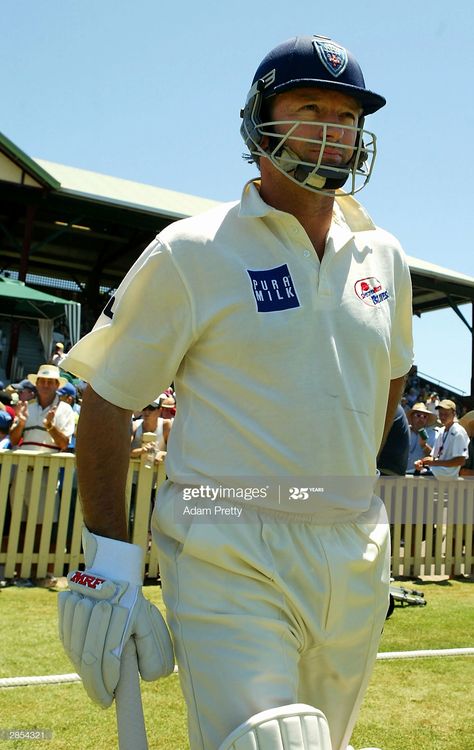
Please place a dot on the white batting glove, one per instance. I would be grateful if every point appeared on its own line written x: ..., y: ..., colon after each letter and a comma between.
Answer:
x: 103, y: 609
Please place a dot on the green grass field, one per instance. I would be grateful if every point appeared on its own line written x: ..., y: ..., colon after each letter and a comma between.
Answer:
x: 422, y: 704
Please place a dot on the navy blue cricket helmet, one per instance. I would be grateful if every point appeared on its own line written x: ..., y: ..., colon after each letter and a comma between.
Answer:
x: 310, y: 61
x: 315, y: 61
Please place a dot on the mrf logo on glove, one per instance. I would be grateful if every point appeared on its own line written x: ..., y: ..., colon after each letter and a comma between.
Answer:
x: 89, y: 584
x: 92, y: 582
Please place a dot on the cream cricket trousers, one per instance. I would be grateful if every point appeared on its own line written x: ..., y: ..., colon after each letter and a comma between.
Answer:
x: 271, y: 611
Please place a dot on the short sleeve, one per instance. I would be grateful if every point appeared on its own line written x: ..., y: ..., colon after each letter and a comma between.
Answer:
x: 460, y: 446
x: 401, y: 351
x: 138, y: 342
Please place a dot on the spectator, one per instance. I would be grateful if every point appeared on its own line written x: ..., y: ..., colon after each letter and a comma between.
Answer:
x: 57, y: 355
x: 68, y: 395
x: 392, y: 459
x: 432, y: 402
x: 450, y: 450
x: 26, y: 390
x: 6, y: 402
x: 5, y: 424
x: 404, y: 404
x: 411, y: 396
x: 422, y: 434
x: 167, y: 405
x: 43, y: 425
x: 151, y: 421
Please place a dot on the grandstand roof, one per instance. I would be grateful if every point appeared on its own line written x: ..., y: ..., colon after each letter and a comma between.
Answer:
x: 115, y: 191
x: 435, y: 287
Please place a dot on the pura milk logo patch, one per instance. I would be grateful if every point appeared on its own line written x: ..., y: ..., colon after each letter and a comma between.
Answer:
x: 273, y: 289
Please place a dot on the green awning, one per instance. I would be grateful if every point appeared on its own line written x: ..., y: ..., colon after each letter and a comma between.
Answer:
x: 17, y: 300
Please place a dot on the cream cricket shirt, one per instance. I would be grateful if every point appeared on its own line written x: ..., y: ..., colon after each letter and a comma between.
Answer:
x: 281, y: 363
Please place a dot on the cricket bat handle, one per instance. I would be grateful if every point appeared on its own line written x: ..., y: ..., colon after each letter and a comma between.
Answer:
x: 128, y: 703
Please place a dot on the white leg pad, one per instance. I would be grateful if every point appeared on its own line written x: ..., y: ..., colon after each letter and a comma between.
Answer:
x: 293, y: 727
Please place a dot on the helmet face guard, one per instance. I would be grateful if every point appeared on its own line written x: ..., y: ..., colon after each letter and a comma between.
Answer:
x: 310, y: 62
x: 317, y: 176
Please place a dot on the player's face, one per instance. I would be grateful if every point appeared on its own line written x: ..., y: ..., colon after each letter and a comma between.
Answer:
x: 312, y: 106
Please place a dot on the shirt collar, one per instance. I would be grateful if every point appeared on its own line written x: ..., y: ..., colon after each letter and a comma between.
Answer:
x: 252, y: 204
x: 348, y: 214
x: 352, y: 213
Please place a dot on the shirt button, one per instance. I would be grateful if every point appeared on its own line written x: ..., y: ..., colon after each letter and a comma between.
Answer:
x: 306, y: 253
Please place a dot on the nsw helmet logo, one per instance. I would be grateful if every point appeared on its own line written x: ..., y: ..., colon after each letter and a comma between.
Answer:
x: 333, y: 57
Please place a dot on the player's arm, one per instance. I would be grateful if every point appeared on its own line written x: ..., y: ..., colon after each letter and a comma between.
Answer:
x: 397, y: 386
x: 104, y: 605
x: 102, y: 454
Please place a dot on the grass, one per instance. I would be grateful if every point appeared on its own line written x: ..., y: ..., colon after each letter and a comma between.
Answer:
x: 422, y: 704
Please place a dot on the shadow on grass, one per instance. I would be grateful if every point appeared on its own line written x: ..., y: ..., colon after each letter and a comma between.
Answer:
x: 446, y: 582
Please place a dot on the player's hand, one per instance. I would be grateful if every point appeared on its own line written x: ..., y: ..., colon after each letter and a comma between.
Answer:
x: 102, y: 610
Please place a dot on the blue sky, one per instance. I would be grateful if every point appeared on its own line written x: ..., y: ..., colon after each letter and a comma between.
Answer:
x: 151, y: 91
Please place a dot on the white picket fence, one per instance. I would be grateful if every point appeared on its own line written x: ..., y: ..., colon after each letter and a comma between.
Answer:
x: 431, y: 520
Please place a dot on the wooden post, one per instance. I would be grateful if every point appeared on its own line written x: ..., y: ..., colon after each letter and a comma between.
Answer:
x: 25, y: 255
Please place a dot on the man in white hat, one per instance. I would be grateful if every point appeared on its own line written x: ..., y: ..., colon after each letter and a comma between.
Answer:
x: 45, y: 423
x: 422, y: 434
x: 450, y: 450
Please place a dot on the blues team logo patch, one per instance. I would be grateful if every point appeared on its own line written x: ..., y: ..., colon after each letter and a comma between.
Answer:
x: 370, y: 291
x: 273, y: 289
x: 333, y: 57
